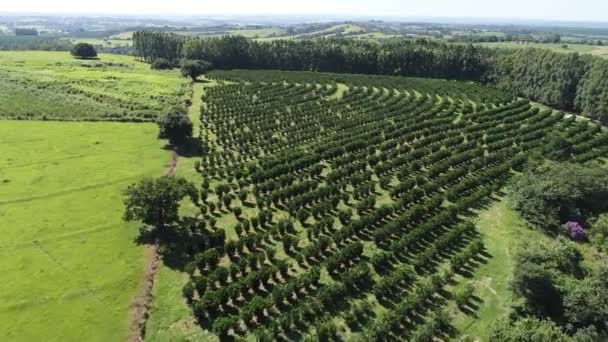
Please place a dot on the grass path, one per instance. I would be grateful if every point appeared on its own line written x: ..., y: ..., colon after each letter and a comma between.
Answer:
x: 503, y: 231
x: 194, y: 111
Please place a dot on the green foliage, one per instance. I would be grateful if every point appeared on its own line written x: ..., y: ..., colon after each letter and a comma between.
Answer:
x: 155, y: 202
x: 524, y: 72
x: 558, y: 148
x: 161, y: 64
x: 84, y: 50
x: 534, y: 283
x: 52, y: 85
x: 194, y: 68
x: 593, y: 93
x: 176, y: 126
x: 549, y: 194
x: 586, y: 302
x: 565, y: 81
x: 464, y: 294
x: 527, y: 330
x: 599, y: 232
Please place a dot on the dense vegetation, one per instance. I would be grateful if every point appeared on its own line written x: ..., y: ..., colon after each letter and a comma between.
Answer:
x: 557, y: 298
x: 84, y: 51
x: 55, y: 86
x: 566, y: 81
x: 327, y: 214
x: 554, y: 193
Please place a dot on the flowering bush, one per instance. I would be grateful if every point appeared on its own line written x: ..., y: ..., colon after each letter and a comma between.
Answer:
x: 576, y: 231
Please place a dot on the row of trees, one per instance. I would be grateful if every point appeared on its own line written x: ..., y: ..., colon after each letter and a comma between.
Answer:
x: 572, y: 82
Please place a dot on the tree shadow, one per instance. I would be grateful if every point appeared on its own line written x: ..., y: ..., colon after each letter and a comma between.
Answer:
x: 191, y: 148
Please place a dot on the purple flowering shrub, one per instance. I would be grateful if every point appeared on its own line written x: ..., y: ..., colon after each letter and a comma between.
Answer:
x: 576, y: 231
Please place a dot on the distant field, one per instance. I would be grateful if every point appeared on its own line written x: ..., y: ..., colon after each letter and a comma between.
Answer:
x: 580, y: 48
x: 70, y: 268
x: 108, y: 42
x: 259, y: 33
x: 123, y: 36
x: 328, y: 32
x: 53, y: 85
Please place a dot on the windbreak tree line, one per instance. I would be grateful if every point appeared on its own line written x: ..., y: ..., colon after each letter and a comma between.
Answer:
x: 566, y: 81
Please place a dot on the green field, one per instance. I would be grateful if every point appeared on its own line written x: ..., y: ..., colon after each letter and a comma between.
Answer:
x: 580, y: 48
x: 259, y: 33
x: 53, y: 85
x: 70, y: 267
x: 106, y: 42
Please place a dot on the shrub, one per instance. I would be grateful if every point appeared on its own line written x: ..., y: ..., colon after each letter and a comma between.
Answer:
x: 161, y: 64
x: 84, y: 50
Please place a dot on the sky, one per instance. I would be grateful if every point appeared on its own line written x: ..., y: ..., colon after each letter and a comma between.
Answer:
x: 568, y: 10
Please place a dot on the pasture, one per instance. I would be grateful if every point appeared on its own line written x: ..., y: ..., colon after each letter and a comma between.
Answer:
x: 55, y: 86
x: 70, y: 266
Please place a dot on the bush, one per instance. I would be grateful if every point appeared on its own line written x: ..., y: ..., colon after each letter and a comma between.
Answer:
x: 84, y: 50
x: 194, y: 68
x: 176, y: 126
x: 161, y: 64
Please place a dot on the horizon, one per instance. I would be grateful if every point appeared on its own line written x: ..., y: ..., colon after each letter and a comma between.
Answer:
x: 584, y: 11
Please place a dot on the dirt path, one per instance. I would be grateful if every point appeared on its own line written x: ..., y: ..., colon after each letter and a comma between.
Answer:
x: 140, y: 308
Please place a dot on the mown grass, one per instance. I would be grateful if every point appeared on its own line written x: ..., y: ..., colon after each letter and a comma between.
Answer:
x: 70, y: 266
x: 54, y: 85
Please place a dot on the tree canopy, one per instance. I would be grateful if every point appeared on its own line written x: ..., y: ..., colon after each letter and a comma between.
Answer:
x: 84, y: 50
x: 161, y: 64
x: 194, y: 68
x: 528, y: 329
x: 552, y: 193
x: 176, y: 126
x: 155, y: 202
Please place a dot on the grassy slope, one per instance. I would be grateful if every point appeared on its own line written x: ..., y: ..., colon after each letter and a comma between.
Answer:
x: 69, y: 265
x: 36, y: 83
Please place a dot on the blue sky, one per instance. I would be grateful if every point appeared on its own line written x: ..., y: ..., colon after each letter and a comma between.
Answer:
x: 575, y: 10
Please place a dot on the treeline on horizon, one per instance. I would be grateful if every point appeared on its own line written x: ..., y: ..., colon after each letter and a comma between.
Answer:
x: 566, y: 81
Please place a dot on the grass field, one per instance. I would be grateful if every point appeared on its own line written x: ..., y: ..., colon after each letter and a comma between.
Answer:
x: 580, y: 48
x: 70, y: 267
x: 53, y: 85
